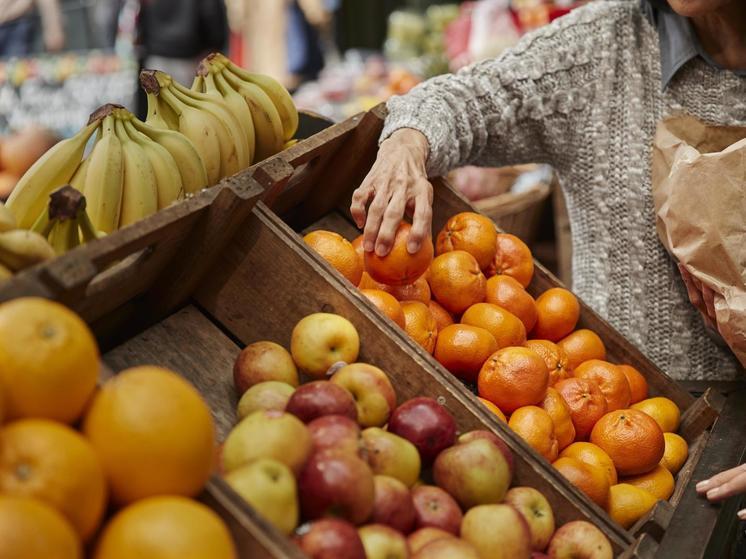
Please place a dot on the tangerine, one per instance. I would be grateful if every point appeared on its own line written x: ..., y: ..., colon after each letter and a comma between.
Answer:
x: 582, y: 345
x: 628, y: 504
x: 557, y: 311
x: 504, y: 291
x: 591, y: 480
x: 386, y: 303
x: 676, y: 452
x: 417, y: 291
x: 357, y: 244
x: 472, y: 232
x: 399, y: 267
x: 463, y: 349
x: 513, y: 258
x: 609, y: 379
x: 456, y: 281
x: 593, y: 455
x: 420, y: 324
x: 513, y: 377
x: 493, y: 408
x: 632, y: 439
x: 558, y: 410
x: 442, y: 317
x: 638, y: 386
x: 338, y: 252
x: 504, y: 326
x: 554, y: 357
x: 535, y: 426
x: 665, y: 412
x: 658, y: 482
x: 586, y: 402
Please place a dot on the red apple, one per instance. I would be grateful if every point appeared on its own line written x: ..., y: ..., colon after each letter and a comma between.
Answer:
x: 420, y: 538
x: 436, y: 508
x: 383, y: 542
x: 426, y: 424
x: 319, y: 398
x: 372, y: 391
x: 339, y: 483
x: 336, y: 432
x: 449, y: 548
x: 497, y: 531
x: 393, y: 504
x: 263, y: 361
x: 537, y: 511
x: 490, y: 436
x: 579, y: 540
x: 539, y: 555
x: 330, y: 538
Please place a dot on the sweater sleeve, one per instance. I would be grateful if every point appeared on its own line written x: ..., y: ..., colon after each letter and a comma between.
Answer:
x: 522, y: 106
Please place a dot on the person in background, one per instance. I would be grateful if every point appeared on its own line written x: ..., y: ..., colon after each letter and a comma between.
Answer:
x: 18, y: 26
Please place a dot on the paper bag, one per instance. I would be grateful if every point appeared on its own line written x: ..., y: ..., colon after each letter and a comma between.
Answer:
x: 699, y: 192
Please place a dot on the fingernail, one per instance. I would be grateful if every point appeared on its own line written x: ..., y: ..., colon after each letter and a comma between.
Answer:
x: 713, y: 493
x: 413, y: 247
x: 381, y: 249
x: 368, y: 246
x: 702, y: 485
x: 742, y: 514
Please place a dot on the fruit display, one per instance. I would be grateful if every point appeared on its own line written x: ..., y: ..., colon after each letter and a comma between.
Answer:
x: 333, y: 459
x: 19, y: 151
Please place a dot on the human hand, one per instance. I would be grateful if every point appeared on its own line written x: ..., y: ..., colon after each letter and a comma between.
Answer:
x: 725, y: 484
x: 701, y: 296
x: 54, y: 40
x: 396, y: 183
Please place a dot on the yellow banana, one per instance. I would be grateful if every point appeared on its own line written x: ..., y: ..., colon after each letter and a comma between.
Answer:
x: 64, y: 236
x: 160, y: 114
x: 105, y: 179
x: 289, y: 144
x: 54, y: 169
x: 5, y: 273
x: 78, y: 179
x: 139, y: 193
x: 7, y: 221
x: 20, y: 249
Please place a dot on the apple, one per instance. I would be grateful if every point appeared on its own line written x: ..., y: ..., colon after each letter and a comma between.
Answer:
x: 336, y: 432
x: 392, y: 504
x: 490, y: 436
x: 319, y: 398
x: 339, y: 483
x: 420, y: 538
x: 383, y: 542
x: 449, y: 548
x: 267, y: 395
x: 497, y: 531
x: 268, y: 434
x: 372, y: 391
x: 539, y: 555
x: 426, y: 424
x: 474, y: 473
x: 263, y: 361
x: 436, y: 508
x: 579, y: 540
x: 269, y: 487
x: 536, y: 510
x: 330, y: 538
x: 320, y: 340
x: 391, y: 455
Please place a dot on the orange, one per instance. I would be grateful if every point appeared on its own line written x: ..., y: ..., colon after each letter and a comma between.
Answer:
x: 632, y: 439
x: 591, y: 480
x: 442, y: 317
x: 665, y: 412
x: 557, y: 409
x: 609, y: 379
x: 582, y: 345
x: 166, y: 528
x: 338, y: 252
x: 507, y: 293
x: 535, y: 426
x: 154, y: 434
x: 399, y: 267
x: 417, y: 291
x: 676, y: 452
x: 586, y: 402
x: 513, y: 377
x: 456, y: 281
x: 463, y: 349
x: 638, y: 386
x: 494, y: 409
x: 420, y: 324
x: 557, y: 311
x: 357, y: 244
x: 29, y: 529
x: 386, y: 303
x: 504, y: 326
x: 51, y: 462
x: 513, y: 258
x: 658, y: 482
x: 589, y: 453
x: 628, y: 504
x: 48, y: 360
x: 469, y: 231
x: 554, y: 357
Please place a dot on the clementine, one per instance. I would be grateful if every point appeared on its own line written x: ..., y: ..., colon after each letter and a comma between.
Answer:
x: 582, y: 345
x: 638, y: 386
x: 554, y: 357
x: 399, y: 267
x: 494, y: 409
x: 658, y: 482
x: 417, y: 291
x: 506, y: 292
x: 628, y: 504
x: 632, y: 439
x: 472, y: 232
x: 357, y: 244
x: 675, y: 453
x: 557, y: 311
x: 557, y: 409
x: 386, y: 303
x: 591, y: 480
x: 463, y: 349
x: 338, y: 252
x: 593, y: 455
x: 535, y: 426
x: 513, y: 377
x: 665, y: 412
x: 609, y: 379
x: 442, y: 317
x: 586, y: 402
x: 420, y: 324
x: 513, y: 258
x: 504, y: 326
x: 456, y: 281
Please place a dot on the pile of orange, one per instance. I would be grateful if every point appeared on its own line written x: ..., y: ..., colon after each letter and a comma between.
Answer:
x: 145, y: 445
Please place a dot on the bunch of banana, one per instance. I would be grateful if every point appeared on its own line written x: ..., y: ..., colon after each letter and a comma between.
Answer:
x: 19, y: 249
x: 65, y: 223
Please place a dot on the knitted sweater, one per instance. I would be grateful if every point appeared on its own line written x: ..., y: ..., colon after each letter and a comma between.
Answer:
x: 584, y: 94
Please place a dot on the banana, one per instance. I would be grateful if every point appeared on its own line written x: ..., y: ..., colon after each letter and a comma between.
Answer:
x: 88, y: 232
x: 52, y: 170
x: 289, y: 144
x: 160, y: 115
x: 64, y: 236
x: 105, y: 179
x: 78, y: 179
x: 7, y: 221
x: 5, y: 273
x: 20, y: 249
x: 139, y: 192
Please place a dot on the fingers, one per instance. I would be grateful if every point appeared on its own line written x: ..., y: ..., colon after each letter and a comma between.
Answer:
x: 360, y: 199
x: 375, y: 218
x: 391, y: 219
x: 735, y: 486
x: 421, y: 220
x: 716, y: 481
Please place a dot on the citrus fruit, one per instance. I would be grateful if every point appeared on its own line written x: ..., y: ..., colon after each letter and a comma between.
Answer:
x: 665, y: 412
x: 504, y: 326
x: 456, y: 281
x: 513, y: 377
x: 494, y: 409
x: 591, y: 480
x: 535, y: 426
x: 165, y: 528
x: 589, y: 453
x: 557, y: 313
x: 463, y: 349
x: 472, y: 232
x: 419, y: 290
x: 420, y: 324
x: 513, y: 258
x: 30, y: 529
x: 48, y: 360
x: 658, y: 482
x: 154, y: 434
x: 676, y: 452
x: 357, y: 244
x: 554, y: 357
x: 442, y: 317
x: 586, y: 402
x: 609, y: 379
x: 338, y: 252
x: 557, y: 409
x: 582, y: 345
x: 399, y: 267
x: 386, y: 303
x: 55, y: 464
x: 507, y: 293
x: 632, y: 440
x: 628, y: 504
x: 638, y: 386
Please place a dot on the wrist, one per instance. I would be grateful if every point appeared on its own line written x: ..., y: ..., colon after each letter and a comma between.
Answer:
x: 410, y: 139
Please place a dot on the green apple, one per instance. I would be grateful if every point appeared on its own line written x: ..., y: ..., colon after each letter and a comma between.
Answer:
x: 536, y: 510
x: 383, y: 542
x: 322, y: 339
x: 372, y: 391
x: 263, y: 361
x: 448, y: 548
x: 579, y: 539
x: 497, y: 531
x: 391, y: 455
x: 268, y: 395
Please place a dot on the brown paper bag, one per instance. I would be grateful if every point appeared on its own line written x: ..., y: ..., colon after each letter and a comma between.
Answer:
x: 699, y: 192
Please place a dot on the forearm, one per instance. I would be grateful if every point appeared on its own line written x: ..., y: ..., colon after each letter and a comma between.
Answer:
x: 51, y: 16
